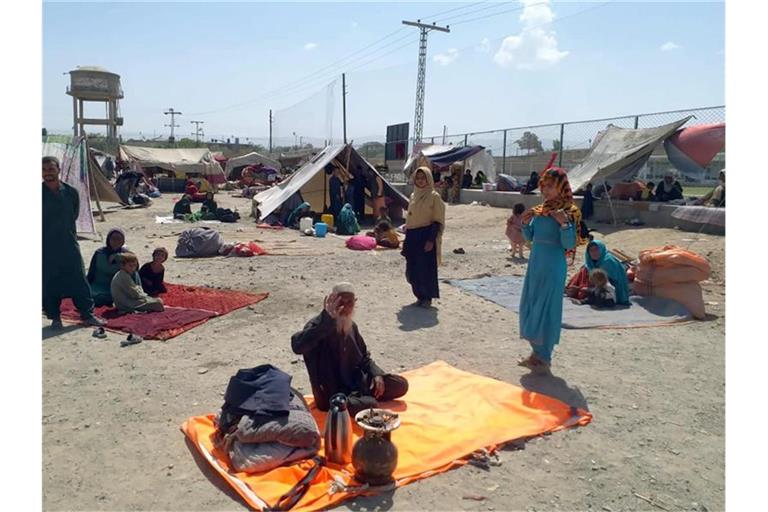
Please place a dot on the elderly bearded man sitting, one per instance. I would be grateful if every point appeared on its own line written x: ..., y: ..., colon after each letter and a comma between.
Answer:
x: 338, y: 360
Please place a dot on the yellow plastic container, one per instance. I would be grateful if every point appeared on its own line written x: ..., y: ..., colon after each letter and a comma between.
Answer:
x: 328, y: 219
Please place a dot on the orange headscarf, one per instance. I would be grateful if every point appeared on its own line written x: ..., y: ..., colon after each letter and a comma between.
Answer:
x: 564, y: 200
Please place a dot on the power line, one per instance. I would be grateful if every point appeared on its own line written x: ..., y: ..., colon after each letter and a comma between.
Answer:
x: 492, y: 6
x: 467, y: 6
x: 312, y: 76
x: 555, y: 20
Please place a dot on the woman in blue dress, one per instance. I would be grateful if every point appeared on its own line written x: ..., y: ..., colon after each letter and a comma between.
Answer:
x: 597, y: 256
x: 552, y: 227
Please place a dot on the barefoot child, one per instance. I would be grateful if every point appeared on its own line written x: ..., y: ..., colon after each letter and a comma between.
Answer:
x: 127, y: 293
x: 515, y: 230
x: 153, y: 273
x: 601, y: 293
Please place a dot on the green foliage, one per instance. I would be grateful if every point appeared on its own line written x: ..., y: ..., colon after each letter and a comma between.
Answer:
x: 529, y: 142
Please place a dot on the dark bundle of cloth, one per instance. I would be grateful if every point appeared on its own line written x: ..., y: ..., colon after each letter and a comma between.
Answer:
x: 264, y: 423
x: 227, y: 215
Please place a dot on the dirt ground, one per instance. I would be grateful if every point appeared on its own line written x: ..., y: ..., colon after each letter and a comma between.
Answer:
x: 111, y: 415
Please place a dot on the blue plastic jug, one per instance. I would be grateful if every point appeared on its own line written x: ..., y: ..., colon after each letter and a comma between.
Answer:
x: 321, y: 229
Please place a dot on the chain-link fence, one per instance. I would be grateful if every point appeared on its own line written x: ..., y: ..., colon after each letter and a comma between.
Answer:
x: 525, y: 149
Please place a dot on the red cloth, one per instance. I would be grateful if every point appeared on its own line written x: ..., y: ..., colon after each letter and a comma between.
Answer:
x: 578, y: 284
x: 248, y: 249
x: 186, y: 307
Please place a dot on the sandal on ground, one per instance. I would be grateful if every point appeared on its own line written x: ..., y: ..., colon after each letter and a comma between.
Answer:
x: 100, y: 333
x: 525, y: 362
x: 132, y: 339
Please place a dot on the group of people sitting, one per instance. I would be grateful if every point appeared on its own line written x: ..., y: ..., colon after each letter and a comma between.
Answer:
x: 209, y: 210
x: 115, y: 278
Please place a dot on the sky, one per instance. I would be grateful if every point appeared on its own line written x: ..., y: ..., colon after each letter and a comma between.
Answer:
x: 504, y: 64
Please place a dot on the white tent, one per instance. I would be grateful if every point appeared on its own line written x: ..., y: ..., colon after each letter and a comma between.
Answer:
x: 252, y: 158
x: 180, y: 161
x: 311, y: 181
x: 478, y: 161
x: 618, y: 153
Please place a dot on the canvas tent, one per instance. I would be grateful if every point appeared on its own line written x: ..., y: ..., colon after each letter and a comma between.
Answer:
x: 311, y: 182
x: 618, y: 153
x: 477, y: 158
x: 182, y: 162
x: 79, y: 170
x: 253, y: 158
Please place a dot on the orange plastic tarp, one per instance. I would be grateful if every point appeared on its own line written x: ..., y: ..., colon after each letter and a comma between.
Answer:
x: 447, y: 415
x: 672, y: 255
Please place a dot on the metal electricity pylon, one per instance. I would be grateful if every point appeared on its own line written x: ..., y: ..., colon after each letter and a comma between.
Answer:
x: 418, y: 117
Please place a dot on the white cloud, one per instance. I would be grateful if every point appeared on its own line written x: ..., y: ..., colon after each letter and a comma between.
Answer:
x: 310, y: 46
x: 536, y: 45
x: 669, y: 46
x: 484, y: 46
x: 446, y: 58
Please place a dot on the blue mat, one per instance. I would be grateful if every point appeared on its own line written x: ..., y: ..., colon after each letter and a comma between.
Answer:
x: 642, y: 312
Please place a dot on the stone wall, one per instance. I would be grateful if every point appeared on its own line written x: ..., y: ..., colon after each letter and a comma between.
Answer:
x: 656, y: 215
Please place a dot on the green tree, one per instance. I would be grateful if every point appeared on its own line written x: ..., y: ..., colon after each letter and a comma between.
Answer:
x: 529, y: 142
x: 556, y: 145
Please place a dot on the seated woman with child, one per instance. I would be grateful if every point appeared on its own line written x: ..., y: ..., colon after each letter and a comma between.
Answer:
x: 127, y: 293
x: 104, y: 265
x: 598, y: 257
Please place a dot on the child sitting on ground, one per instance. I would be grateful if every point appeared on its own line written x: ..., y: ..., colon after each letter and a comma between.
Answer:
x: 386, y: 236
x: 127, y: 293
x: 601, y: 293
x: 153, y: 273
x: 515, y: 230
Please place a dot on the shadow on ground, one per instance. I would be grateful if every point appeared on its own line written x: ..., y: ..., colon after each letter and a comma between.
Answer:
x: 379, y: 502
x: 52, y: 333
x: 413, y: 318
x: 555, y: 387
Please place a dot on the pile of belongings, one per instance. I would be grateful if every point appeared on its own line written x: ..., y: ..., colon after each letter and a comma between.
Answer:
x: 199, y: 243
x: 207, y: 242
x: 264, y: 423
x: 674, y: 273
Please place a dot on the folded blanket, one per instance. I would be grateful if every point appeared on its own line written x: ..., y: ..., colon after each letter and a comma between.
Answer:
x: 261, y: 457
x: 298, y: 429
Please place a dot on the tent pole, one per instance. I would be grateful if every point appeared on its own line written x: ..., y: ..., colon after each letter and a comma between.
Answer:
x: 92, y: 182
x: 610, y: 202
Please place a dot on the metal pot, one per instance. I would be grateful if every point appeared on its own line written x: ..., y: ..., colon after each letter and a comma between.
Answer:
x: 374, y: 456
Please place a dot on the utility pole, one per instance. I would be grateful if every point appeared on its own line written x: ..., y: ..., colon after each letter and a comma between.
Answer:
x: 418, y: 117
x: 270, y: 131
x: 173, y: 114
x: 344, y: 103
x: 198, y: 130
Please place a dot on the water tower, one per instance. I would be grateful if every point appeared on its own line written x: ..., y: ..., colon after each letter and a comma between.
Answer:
x: 95, y: 84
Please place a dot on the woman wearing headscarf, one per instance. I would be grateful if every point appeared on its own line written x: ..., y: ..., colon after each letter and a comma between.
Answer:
x: 425, y: 223
x: 552, y: 227
x: 597, y: 256
x: 716, y: 196
x: 104, y: 265
x: 347, y: 224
